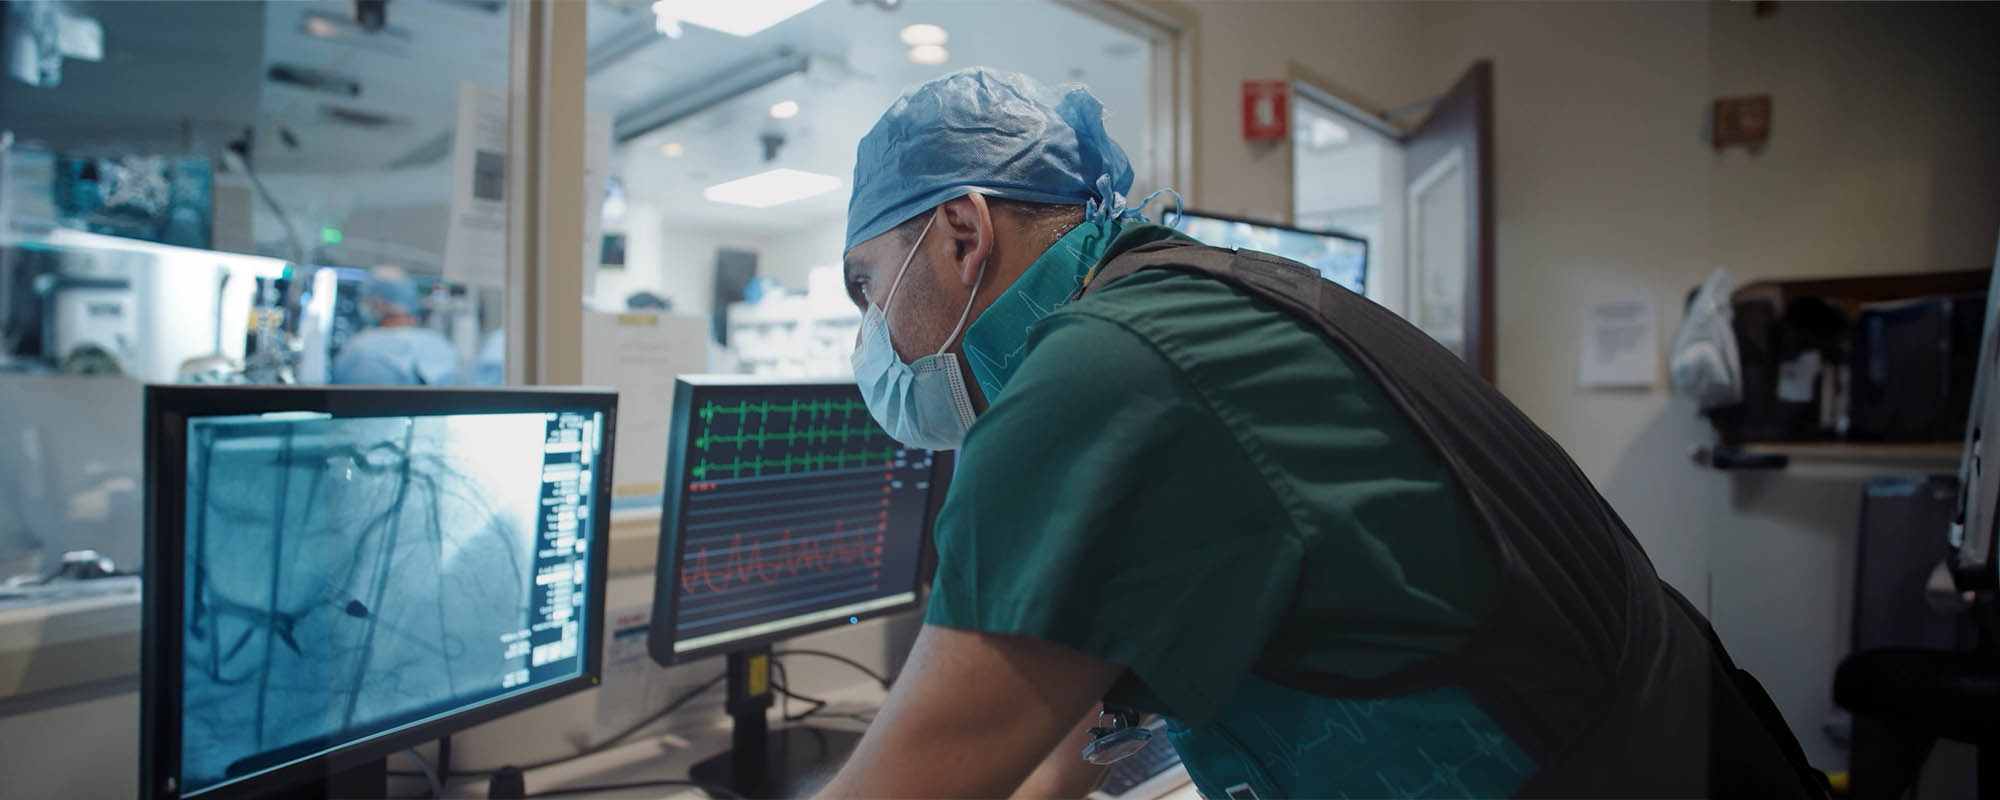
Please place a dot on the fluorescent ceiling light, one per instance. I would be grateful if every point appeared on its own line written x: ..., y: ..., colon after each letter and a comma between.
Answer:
x: 734, y: 17
x: 929, y: 55
x: 672, y: 150
x: 785, y: 109
x: 924, y: 33
x: 773, y: 188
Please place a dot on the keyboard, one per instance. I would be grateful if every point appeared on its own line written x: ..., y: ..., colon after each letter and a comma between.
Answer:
x: 1142, y: 767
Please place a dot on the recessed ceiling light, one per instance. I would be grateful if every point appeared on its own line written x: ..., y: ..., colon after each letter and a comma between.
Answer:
x: 785, y: 109
x: 924, y: 33
x: 734, y: 17
x: 773, y: 188
x: 321, y: 27
x: 929, y: 54
x: 672, y: 150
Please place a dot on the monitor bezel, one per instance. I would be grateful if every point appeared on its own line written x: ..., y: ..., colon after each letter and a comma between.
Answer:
x: 1367, y: 252
x: 664, y: 629
x: 167, y: 410
x: 1974, y: 535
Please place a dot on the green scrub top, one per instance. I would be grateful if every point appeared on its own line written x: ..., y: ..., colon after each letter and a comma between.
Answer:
x: 1184, y: 480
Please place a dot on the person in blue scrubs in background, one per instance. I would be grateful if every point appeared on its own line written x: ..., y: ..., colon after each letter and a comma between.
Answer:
x: 1212, y: 486
x: 395, y: 349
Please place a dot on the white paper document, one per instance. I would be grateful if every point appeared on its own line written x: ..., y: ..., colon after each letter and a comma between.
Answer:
x: 1621, y: 344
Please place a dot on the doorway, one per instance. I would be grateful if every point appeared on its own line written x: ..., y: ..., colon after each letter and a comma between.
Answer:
x: 1421, y: 196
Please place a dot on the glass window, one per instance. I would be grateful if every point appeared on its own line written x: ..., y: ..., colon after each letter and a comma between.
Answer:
x: 731, y: 150
x: 233, y: 192
x: 727, y: 146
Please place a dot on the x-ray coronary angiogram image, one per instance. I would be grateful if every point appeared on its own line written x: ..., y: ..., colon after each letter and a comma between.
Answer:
x: 348, y: 575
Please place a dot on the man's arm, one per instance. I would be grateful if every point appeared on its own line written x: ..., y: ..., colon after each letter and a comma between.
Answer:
x: 1063, y: 772
x: 972, y: 716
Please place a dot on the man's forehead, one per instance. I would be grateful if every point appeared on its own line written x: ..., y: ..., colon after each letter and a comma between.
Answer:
x: 866, y: 254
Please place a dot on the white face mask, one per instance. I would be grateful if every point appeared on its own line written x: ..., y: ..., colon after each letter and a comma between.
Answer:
x: 923, y: 404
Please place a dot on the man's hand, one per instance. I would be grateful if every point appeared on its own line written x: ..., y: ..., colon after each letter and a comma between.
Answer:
x: 972, y: 716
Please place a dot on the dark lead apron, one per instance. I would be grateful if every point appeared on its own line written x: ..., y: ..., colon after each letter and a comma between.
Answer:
x: 1603, y: 674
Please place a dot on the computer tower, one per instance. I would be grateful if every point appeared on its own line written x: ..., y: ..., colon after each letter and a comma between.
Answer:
x: 1904, y: 520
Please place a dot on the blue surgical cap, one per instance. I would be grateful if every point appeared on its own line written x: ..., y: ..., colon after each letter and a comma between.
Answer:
x: 996, y: 133
x: 391, y: 288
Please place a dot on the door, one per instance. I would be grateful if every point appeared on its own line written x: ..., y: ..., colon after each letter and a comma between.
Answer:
x: 1448, y: 196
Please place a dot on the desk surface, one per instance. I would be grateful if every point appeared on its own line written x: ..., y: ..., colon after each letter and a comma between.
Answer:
x: 670, y: 756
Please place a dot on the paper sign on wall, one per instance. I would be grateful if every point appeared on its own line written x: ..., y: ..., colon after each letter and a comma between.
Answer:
x: 1621, y: 344
x: 475, y: 237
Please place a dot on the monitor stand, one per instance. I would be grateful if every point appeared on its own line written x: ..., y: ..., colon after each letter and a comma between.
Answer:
x: 367, y: 779
x: 790, y: 762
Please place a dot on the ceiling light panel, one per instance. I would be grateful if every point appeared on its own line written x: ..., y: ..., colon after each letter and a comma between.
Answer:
x: 734, y: 17
x: 771, y: 188
x: 924, y: 33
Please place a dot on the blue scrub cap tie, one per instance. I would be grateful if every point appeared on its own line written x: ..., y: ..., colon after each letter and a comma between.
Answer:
x: 1001, y: 134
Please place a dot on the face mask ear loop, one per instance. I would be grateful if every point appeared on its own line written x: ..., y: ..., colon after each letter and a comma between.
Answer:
x: 962, y: 315
x: 906, y: 263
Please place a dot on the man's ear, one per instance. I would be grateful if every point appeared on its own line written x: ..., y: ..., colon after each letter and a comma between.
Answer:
x: 968, y: 226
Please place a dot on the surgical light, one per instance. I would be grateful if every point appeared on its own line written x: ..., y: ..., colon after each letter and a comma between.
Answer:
x: 929, y: 55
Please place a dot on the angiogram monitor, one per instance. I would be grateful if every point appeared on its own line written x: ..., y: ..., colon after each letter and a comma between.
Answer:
x: 335, y: 574
x: 1339, y: 257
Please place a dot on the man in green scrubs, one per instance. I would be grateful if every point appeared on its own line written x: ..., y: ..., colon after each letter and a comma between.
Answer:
x: 1170, y: 496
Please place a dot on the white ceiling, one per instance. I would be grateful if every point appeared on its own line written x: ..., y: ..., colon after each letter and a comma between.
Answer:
x: 856, y: 67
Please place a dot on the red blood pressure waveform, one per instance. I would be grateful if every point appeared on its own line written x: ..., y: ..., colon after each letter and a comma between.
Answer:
x: 776, y: 558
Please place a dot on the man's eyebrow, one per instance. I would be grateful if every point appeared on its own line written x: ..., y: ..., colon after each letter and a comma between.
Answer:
x: 847, y: 270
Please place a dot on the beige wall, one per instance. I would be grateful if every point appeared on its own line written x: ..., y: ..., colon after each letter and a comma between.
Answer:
x: 1881, y: 160
x: 1600, y: 180
x: 1601, y: 183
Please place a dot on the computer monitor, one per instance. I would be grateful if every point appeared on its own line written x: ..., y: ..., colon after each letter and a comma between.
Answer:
x: 332, y: 575
x: 1339, y: 257
x: 1975, y: 530
x: 788, y: 510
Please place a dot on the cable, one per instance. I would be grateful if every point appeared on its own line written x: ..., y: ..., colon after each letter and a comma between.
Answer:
x: 437, y: 790
x: 781, y: 686
x: 607, y: 743
x: 711, y: 789
x: 840, y: 658
x: 444, y: 759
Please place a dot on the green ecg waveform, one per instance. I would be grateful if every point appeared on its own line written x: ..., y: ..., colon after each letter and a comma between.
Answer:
x: 818, y: 431
x: 813, y: 409
x: 811, y: 461
x: 820, y: 435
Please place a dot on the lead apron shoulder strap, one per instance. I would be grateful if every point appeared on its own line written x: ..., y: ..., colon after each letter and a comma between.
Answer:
x: 1586, y: 659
